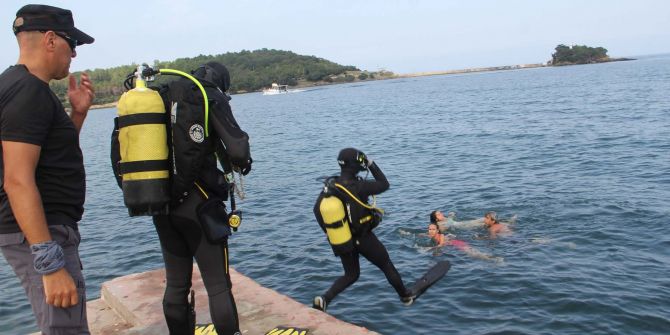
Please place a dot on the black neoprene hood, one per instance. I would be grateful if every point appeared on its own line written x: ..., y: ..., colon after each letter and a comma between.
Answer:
x: 221, y: 77
x: 349, y: 158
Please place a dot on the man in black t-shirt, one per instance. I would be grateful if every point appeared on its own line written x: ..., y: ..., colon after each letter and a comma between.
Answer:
x: 42, y: 188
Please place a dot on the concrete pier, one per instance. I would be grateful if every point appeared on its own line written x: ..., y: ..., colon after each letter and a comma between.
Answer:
x: 133, y: 305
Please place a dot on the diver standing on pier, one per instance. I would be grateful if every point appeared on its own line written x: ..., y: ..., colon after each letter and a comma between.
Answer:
x: 183, y: 189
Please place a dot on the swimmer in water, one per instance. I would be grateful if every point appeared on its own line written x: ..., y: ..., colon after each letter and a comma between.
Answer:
x: 494, y: 227
x: 447, y: 222
x: 444, y: 240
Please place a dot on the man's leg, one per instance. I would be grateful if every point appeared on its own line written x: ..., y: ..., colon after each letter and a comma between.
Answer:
x: 213, y: 263
x: 352, y: 271
x: 51, y: 320
x: 375, y: 252
x: 178, y: 272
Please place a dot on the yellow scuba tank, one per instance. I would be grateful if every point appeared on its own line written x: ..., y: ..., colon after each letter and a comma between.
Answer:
x: 335, y: 220
x: 143, y: 142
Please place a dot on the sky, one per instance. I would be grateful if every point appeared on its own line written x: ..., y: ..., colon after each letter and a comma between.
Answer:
x: 395, y: 35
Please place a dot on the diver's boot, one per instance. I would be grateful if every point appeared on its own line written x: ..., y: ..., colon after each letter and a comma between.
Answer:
x: 180, y: 318
x: 407, y: 301
x: 408, y: 298
x: 319, y: 303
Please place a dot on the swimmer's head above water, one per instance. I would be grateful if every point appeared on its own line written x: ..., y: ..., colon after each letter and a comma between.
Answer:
x: 433, y: 229
x: 436, y: 216
x: 491, y: 218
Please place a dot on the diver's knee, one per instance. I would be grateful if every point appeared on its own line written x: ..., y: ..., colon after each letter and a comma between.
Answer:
x: 352, y: 276
x: 219, y: 288
x: 176, y: 295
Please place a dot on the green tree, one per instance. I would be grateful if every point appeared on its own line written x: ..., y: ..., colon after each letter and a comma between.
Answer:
x: 578, y: 54
x: 249, y: 71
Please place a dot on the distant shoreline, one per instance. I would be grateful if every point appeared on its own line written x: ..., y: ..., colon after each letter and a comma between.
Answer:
x: 472, y: 70
x: 425, y: 74
x: 107, y: 105
x: 597, y: 61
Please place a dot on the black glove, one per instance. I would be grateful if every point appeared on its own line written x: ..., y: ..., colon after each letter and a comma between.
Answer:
x: 245, y: 170
x: 368, y: 161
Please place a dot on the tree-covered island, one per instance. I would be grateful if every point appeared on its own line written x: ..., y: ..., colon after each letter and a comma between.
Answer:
x: 580, y: 54
x: 250, y: 71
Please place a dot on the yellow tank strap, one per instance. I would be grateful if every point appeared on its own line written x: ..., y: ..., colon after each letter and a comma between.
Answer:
x: 338, y: 185
x: 202, y: 90
x: 202, y: 191
x: 225, y: 255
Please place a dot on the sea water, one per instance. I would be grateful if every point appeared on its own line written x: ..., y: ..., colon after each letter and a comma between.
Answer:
x: 580, y: 154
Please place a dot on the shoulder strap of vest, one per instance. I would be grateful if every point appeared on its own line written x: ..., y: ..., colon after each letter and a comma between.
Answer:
x: 352, y: 196
x: 202, y: 90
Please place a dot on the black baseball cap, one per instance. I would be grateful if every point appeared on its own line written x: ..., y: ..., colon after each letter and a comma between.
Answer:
x: 43, y: 17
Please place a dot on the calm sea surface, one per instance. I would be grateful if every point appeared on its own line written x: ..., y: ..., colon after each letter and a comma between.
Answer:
x: 580, y: 154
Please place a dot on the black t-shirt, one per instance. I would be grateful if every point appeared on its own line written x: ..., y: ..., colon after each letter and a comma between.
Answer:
x: 31, y: 113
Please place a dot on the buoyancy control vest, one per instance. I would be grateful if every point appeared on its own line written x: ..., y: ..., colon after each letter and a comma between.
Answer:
x: 342, y: 216
x: 363, y: 217
x: 191, y: 151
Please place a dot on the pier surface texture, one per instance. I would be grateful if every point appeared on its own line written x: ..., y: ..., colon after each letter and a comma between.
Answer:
x: 133, y: 305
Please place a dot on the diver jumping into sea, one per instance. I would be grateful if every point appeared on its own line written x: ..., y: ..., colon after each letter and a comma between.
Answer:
x: 350, y: 230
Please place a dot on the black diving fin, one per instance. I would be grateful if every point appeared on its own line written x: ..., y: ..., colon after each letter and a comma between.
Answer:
x: 431, y: 277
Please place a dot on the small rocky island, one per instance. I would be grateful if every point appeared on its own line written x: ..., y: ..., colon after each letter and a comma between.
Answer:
x: 580, y: 54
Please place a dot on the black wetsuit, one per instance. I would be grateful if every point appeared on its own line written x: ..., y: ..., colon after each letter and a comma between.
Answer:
x: 365, y: 241
x: 182, y: 239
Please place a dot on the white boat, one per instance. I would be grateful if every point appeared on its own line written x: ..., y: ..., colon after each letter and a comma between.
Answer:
x: 275, y: 89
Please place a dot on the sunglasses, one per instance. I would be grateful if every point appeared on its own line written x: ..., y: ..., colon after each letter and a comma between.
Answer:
x: 71, y: 42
